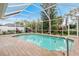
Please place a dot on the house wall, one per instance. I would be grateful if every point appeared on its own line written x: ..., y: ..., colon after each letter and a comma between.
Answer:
x: 6, y: 28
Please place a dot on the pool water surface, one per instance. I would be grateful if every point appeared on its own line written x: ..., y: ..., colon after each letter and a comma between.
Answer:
x: 47, y: 42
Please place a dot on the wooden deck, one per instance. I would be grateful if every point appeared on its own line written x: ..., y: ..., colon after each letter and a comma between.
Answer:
x: 75, y: 49
x: 10, y: 46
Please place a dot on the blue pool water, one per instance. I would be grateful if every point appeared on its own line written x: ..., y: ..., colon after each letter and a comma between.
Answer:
x: 47, y: 42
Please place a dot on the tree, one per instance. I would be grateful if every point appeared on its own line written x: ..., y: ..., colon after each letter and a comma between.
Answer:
x: 19, y: 23
x: 51, y: 12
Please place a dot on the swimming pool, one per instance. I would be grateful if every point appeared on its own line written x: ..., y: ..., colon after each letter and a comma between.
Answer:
x: 47, y: 42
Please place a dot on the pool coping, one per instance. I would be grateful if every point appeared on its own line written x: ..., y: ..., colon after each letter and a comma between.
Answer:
x: 58, y: 36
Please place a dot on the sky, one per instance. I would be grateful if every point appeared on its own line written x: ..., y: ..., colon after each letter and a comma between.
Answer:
x: 64, y: 8
x: 33, y: 13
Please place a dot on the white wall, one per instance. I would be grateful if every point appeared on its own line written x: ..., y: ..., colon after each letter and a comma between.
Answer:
x: 6, y: 28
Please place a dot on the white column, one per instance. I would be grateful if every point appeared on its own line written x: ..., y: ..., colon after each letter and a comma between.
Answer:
x: 36, y: 27
x: 24, y: 26
x: 62, y: 27
x: 42, y: 27
x: 62, y: 30
x: 15, y: 28
x: 49, y: 26
x: 77, y: 26
x: 69, y: 25
x: 68, y: 29
x: 31, y: 28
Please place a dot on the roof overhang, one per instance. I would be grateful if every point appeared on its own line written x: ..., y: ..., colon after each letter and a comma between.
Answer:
x: 3, y: 7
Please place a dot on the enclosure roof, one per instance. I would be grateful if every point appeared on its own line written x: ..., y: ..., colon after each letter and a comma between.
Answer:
x: 30, y: 10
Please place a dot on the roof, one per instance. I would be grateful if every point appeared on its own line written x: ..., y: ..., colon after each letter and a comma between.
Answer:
x: 13, y: 25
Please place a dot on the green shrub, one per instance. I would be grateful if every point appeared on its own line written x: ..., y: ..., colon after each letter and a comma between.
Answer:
x: 4, y: 32
x: 19, y: 31
x: 54, y: 32
x: 11, y: 31
x: 60, y: 32
x: 73, y: 32
x: 65, y: 32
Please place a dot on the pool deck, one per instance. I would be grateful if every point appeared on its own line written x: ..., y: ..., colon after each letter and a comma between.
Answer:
x: 11, y: 46
x: 75, y: 50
